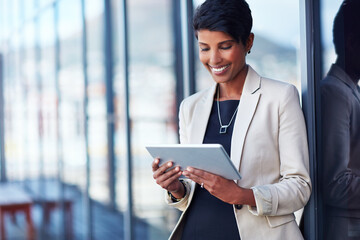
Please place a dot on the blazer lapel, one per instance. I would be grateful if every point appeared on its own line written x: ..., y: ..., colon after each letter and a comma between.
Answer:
x: 247, y: 106
x: 342, y: 76
x: 356, y: 92
x: 201, y: 114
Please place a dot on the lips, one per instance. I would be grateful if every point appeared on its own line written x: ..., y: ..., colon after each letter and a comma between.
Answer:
x: 219, y: 69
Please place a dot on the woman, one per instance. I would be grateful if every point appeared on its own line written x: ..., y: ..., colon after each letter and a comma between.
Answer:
x: 260, y: 124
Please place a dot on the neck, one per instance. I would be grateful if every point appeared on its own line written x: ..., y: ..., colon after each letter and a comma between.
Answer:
x: 354, y: 75
x: 232, y: 90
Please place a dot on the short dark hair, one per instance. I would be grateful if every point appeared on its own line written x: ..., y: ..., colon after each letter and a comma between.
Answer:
x: 346, y: 23
x: 230, y: 16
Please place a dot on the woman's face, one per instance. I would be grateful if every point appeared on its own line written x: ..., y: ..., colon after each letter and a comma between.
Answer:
x: 223, y: 57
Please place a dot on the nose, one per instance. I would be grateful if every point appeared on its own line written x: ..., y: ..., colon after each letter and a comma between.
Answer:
x: 215, y: 57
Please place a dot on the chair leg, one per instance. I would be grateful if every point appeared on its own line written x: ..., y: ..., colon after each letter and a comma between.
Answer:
x: 69, y: 225
x: 13, y: 217
x: 30, y: 225
x: 2, y: 224
x: 46, y: 213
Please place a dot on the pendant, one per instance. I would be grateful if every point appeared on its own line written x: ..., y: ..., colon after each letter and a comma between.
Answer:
x: 223, y: 129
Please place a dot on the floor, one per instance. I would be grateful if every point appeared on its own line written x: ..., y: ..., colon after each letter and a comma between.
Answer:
x: 107, y: 224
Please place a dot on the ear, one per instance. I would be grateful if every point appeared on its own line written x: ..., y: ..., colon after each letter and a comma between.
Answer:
x: 249, y: 42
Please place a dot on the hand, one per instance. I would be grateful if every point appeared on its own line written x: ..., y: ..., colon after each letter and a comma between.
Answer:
x: 222, y: 188
x: 168, y: 180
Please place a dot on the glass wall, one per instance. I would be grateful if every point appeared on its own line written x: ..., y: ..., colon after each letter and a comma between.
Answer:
x: 68, y: 132
x: 64, y: 90
x: 328, y: 13
x: 153, y: 113
x: 28, y: 76
x: 276, y: 49
x: 47, y: 101
x: 96, y: 108
x: 339, y: 124
x: 71, y: 89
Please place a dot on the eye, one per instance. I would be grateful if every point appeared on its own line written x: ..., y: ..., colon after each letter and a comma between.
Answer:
x: 204, y: 49
x: 226, y: 47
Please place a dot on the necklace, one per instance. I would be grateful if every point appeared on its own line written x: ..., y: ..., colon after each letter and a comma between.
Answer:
x: 223, y: 128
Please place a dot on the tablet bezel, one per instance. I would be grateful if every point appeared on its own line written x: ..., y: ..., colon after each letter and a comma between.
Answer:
x: 209, y: 157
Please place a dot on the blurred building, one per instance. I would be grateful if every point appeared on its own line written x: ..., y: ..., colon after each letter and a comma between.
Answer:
x: 87, y: 84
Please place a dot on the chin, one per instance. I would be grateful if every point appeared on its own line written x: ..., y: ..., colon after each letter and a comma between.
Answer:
x: 220, y: 79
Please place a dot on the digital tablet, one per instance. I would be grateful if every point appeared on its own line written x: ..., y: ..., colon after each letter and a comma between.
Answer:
x: 209, y: 157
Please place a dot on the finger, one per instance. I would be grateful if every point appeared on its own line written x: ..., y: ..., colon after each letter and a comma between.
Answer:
x: 170, y: 181
x: 200, y: 173
x: 163, y: 177
x: 155, y: 164
x: 194, y: 177
x: 162, y: 169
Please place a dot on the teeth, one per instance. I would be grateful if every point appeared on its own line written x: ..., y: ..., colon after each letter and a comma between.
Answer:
x: 219, y: 69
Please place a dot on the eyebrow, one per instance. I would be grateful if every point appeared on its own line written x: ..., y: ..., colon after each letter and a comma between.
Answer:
x: 226, y: 41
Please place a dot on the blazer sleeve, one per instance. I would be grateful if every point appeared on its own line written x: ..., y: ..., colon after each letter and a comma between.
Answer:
x: 341, y: 178
x: 293, y: 190
x: 182, y: 204
x: 182, y: 125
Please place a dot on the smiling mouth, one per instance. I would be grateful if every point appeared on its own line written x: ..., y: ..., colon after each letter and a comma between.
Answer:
x: 219, y: 70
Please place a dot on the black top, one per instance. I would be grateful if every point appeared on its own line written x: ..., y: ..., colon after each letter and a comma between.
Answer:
x: 208, y: 217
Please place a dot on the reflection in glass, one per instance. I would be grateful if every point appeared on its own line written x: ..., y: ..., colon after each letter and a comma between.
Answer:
x: 71, y: 140
x: 276, y: 45
x: 29, y: 9
x: 47, y: 95
x: 29, y: 90
x: 340, y: 128
x: 152, y: 107
x: 71, y: 84
x: 13, y: 110
x: 96, y: 109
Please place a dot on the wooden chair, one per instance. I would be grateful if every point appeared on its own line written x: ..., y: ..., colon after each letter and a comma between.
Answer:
x: 14, y: 199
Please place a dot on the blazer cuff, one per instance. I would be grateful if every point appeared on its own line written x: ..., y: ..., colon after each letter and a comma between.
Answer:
x: 266, y: 201
x: 182, y: 201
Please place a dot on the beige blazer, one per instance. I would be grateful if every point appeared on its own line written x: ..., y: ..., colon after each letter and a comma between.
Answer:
x: 269, y: 147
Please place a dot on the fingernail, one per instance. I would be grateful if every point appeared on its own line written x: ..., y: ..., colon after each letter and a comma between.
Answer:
x: 185, y: 173
x: 169, y: 164
x: 177, y: 169
x: 189, y: 169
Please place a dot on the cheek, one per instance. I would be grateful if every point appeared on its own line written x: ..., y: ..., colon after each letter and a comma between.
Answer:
x: 203, y: 58
x: 237, y: 57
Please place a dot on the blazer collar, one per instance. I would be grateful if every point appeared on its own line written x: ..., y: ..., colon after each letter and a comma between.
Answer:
x: 252, y: 81
x: 247, y: 106
x: 341, y: 75
x: 201, y: 115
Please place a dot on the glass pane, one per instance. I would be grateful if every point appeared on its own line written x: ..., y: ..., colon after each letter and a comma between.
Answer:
x: 47, y: 95
x: 13, y: 110
x: 16, y: 14
x: 119, y: 91
x: 121, y: 186
x: 5, y: 19
x: 44, y: 3
x: 71, y: 84
x: 99, y: 188
x: 152, y: 110
x: 28, y: 9
x: 340, y: 120
x: 275, y: 52
x: 328, y: 13
x: 31, y: 139
x: 71, y: 139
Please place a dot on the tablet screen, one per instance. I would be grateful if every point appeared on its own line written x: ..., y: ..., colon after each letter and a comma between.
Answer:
x: 208, y: 157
